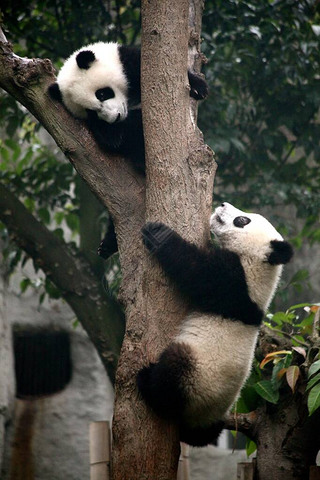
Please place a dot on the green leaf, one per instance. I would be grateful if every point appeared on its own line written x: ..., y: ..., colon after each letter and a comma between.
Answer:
x: 44, y: 215
x: 265, y: 390
x: 282, y: 364
x: 315, y: 367
x: 59, y: 216
x: 72, y: 222
x: 251, y: 447
x: 313, y: 381
x: 299, y: 305
x: 29, y: 203
x: 42, y: 297
x: 314, y: 399
x: 24, y: 284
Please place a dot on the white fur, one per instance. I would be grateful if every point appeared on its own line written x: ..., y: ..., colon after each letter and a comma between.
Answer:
x: 223, y: 351
x: 252, y: 244
x: 78, y: 86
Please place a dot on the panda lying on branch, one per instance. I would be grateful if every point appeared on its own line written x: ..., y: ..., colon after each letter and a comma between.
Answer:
x: 100, y: 83
x: 199, y: 376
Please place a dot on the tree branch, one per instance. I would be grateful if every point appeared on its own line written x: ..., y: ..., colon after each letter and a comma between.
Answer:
x: 242, y: 422
x: 112, y: 179
x: 101, y: 317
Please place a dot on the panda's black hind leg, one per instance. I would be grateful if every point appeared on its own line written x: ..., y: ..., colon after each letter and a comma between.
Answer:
x: 201, y: 436
x: 162, y: 384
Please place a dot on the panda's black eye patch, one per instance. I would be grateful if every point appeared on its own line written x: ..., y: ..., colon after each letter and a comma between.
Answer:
x: 104, y: 94
x: 240, y: 222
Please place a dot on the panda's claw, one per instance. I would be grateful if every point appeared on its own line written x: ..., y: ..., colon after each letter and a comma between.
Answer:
x: 154, y: 235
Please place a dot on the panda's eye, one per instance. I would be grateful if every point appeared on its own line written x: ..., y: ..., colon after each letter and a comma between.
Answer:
x: 240, y: 222
x: 104, y: 94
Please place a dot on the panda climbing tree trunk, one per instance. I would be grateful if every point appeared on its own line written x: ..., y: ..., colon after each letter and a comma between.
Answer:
x: 179, y: 180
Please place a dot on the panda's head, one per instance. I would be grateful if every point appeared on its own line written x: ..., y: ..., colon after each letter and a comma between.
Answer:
x: 93, y: 79
x: 249, y: 234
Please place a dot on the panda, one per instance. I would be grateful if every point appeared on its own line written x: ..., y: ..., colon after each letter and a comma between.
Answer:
x: 229, y: 287
x: 100, y: 83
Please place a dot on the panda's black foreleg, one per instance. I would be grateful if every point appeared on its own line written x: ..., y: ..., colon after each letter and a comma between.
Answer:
x: 109, y: 244
x: 188, y: 266
x: 198, y: 86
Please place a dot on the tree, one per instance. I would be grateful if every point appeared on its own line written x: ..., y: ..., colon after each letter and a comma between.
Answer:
x: 152, y: 310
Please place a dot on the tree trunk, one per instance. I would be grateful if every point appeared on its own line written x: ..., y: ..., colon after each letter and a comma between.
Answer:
x: 178, y: 192
x: 287, y: 440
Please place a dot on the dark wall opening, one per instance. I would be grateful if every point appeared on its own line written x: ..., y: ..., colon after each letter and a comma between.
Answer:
x: 42, y: 362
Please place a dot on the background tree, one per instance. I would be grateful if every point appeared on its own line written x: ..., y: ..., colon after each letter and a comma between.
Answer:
x: 262, y: 118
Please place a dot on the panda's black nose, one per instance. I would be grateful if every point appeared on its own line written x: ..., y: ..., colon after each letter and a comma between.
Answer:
x: 222, y: 205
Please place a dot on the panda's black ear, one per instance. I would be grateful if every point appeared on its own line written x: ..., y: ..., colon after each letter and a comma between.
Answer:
x: 54, y: 92
x: 85, y: 58
x: 281, y: 252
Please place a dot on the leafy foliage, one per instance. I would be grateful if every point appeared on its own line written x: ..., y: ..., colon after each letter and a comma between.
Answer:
x: 262, y: 119
x: 280, y: 372
x: 55, y: 28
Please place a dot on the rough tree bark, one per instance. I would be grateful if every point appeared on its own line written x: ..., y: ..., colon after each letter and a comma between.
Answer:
x: 287, y: 439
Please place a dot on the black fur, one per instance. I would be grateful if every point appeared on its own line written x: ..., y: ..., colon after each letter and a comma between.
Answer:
x: 198, y: 86
x: 213, y: 281
x: 124, y: 138
x: 130, y: 59
x: 54, y: 92
x: 108, y: 245
x: 160, y: 383
x: 281, y: 254
x: 201, y: 436
x: 161, y: 386
x: 85, y: 58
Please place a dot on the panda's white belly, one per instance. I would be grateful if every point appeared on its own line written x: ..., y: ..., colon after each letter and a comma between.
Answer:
x: 222, y: 352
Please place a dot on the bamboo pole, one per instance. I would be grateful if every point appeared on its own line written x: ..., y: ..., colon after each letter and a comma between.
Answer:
x: 314, y: 472
x: 99, y: 436
x: 183, y: 466
x: 245, y: 471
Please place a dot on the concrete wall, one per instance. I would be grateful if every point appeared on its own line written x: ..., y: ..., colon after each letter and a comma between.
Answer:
x: 47, y: 438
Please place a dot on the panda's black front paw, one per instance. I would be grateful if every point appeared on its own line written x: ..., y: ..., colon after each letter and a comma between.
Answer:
x: 198, y: 86
x: 155, y: 235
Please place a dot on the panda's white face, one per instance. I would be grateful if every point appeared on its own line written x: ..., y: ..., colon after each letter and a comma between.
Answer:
x: 100, y: 85
x: 243, y: 233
